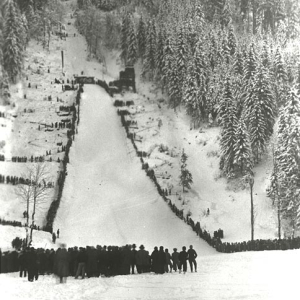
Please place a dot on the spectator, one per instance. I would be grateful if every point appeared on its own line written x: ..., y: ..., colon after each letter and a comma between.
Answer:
x: 82, y: 260
x: 183, y: 256
x: 142, y: 260
x: 175, y: 259
x: 168, y: 261
x: 53, y: 237
x: 192, y: 255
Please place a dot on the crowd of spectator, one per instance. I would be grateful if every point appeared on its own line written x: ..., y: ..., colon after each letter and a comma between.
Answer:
x: 15, y: 180
x: 96, y: 261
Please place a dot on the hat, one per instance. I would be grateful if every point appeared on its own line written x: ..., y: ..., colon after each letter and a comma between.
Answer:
x: 142, y: 247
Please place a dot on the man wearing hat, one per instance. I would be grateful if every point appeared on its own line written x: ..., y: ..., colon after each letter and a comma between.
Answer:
x: 175, y: 259
x: 183, y: 256
x: 142, y: 259
x: 192, y: 258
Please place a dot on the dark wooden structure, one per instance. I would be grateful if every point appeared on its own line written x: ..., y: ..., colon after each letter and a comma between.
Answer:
x: 126, y: 80
x: 84, y: 79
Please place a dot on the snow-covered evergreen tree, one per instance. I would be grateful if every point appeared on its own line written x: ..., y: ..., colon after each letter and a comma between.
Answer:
x: 190, y: 95
x: 228, y: 119
x: 125, y: 37
x: 141, y: 37
x: 168, y: 53
x: 243, y: 160
x: 232, y: 42
x: 149, y: 65
x: 185, y: 178
x: 260, y: 111
x: 238, y: 64
x: 12, y: 46
x: 250, y: 63
x: 181, y: 59
x: 159, y: 59
x: 279, y: 67
x: 132, y: 44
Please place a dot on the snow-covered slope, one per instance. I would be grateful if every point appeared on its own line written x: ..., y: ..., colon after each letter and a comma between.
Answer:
x: 108, y: 199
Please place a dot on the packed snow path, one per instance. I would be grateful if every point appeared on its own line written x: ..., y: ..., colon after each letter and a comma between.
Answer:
x: 107, y: 198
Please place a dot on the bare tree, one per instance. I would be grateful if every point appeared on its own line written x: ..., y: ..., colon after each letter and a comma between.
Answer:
x: 24, y: 192
x: 35, y: 191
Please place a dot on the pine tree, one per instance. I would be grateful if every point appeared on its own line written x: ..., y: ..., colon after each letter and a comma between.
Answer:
x: 250, y: 63
x: 159, y: 59
x: 149, y: 59
x: 185, y: 178
x: 229, y: 122
x: 279, y: 66
x: 225, y: 50
x: 168, y: 53
x: 12, y: 47
x: 125, y: 37
x: 132, y: 44
x: 265, y: 56
x: 238, y: 64
x: 174, y: 86
x: 190, y: 95
x: 260, y: 111
x: 141, y: 37
x: 181, y: 60
x: 232, y: 42
x: 242, y: 149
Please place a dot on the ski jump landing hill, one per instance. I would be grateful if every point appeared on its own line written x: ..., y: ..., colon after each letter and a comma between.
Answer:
x: 108, y: 199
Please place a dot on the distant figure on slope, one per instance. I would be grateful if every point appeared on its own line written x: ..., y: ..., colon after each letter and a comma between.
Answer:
x: 183, y: 256
x: 192, y: 254
x: 57, y: 233
x: 53, y: 237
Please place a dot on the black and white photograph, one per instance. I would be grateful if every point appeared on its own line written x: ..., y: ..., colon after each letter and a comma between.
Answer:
x: 149, y: 149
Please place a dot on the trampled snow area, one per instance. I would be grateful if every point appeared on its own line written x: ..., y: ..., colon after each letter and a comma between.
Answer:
x: 248, y: 276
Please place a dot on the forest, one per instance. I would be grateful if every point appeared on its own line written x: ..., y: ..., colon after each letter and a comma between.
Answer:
x: 229, y: 63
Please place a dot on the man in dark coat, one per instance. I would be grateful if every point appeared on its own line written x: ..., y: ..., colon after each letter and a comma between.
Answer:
x: 82, y: 260
x: 32, y: 264
x: 142, y: 260
x: 183, y: 256
x: 22, y: 264
x: 192, y: 258
x: 126, y: 260
x: 175, y: 259
x: 133, y: 258
x: 92, y: 262
x: 53, y: 237
x: 154, y: 261
x: 161, y: 260
x: 61, y: 264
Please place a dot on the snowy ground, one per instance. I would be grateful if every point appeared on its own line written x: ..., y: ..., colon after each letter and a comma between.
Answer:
x: 247, y: 276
